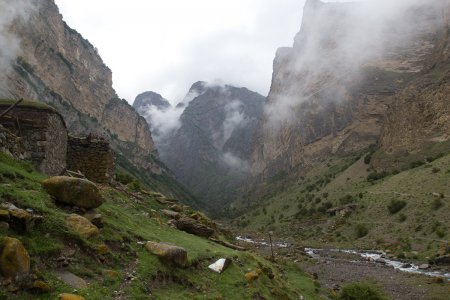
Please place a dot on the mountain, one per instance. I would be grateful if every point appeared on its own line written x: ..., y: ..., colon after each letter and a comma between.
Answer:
x: 354, y: 146
x: 342, y: 88
x: 56, y: 65
x: 209, y: 151
x: 145, y: 100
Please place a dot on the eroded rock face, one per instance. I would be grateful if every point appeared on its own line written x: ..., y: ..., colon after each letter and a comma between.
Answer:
x: 327, y: 97
x: 14, y: 260
x: 58, y: 66
x: 81, y: 225
x: 74, y: 191
x: 168, y: 252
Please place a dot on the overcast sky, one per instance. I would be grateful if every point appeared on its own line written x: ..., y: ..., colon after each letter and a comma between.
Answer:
x: 166, y: 45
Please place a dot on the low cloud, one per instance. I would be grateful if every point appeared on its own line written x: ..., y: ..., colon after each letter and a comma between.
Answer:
x: 11, y: 11
x: 235, y: 163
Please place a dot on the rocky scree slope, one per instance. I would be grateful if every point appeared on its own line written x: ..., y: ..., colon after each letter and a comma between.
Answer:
x: 210, y: 151
x: 58, y: 66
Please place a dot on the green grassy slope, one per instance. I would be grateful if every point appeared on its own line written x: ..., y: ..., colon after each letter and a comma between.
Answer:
x: 129, y: 221
x: 421, y: 194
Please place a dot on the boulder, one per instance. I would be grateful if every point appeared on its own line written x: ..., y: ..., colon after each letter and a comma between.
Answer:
x: 81, y: 225
x: 220, y: 266
x: 253, y: 275
x: 424, y: 266
x: 14, y: 259
x: 168, y: 252
x: 442, y: 260
x: 65, y: 296
x: 72, y: 280
x: 192, y: 226
x: 171, y: 214
x: 74, y: 191
x: 4, y: 215
x: 40, y: 286
x: 94, y: 218
x: 19, y: 219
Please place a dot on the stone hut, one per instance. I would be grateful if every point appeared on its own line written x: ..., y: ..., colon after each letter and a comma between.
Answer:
x: 42, y: 131
x: 92, y: 156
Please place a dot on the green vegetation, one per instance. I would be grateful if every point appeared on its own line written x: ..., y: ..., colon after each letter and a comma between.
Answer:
x: 127, y: 221
x: 395, y: 206
x: 26, y: 103
x: 361, y: 290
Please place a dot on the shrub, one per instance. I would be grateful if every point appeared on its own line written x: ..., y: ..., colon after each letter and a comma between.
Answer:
x: 347, y: 199
x: 395, y: 206
x: 374, y: 176
x: 402, y: 218
x: 435, y: 170
x: 416, y: 164
x: 360, y: 291
x: 368, y: 158
x: 437, y: 203
x: 124, y: 178
x: 361, y: 231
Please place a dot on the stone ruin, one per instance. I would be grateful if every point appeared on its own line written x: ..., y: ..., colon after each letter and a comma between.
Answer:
x: 93, y: 157
x: 35, y: 131
x: 42, y: 132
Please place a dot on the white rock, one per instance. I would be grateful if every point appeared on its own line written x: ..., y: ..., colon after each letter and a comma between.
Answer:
x: 220, y: 265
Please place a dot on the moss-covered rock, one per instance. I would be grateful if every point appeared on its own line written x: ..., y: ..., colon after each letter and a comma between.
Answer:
x: 81, y: 225
x: 74, y: 191
x: 168, y: 252
x: 65, y: 296
x: 14, y: 260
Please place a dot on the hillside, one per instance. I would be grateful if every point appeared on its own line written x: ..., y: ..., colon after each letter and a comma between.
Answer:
x: 114, y: 264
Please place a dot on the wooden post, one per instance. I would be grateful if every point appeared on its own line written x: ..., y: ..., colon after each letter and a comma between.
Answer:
x: 271, y: 246
x: 10, y: 108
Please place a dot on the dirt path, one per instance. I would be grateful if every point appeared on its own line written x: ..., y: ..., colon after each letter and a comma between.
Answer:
x: 129, y: 275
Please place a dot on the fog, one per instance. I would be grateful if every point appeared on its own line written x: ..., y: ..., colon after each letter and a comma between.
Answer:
x: 334, y: 43
x: 11, y: 11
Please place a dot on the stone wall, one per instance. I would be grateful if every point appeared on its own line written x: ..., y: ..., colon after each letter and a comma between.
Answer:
x: 43, y: 133
x: 11, y: 144
x: 93, y: 157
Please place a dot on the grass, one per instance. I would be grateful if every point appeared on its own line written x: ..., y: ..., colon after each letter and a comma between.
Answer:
x: 128, y: 221
x: 26, y: 103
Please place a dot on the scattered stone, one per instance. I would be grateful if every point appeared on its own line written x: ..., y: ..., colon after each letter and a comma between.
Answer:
x: 81, y: 225
x: 4, y: 226
x: 442, y: 260
x: 95, y: 219
x: 424, y: 266
x: 168, y: 252
x: 19, y: 219
x: 220, y: 266
x: 14, y: 260
x: 171, y: 214
x: 65, y: 296
x: 406, y: 266
x: 172, y: 223
x: 74, y: 191
x: 253, y: 275
x: 41, y: 287
x: 192, y: 226
x: 72, y: 280
x: 177, y: 207
x: 111, y: 274
x: 4, y: 215
x: 102, y: 249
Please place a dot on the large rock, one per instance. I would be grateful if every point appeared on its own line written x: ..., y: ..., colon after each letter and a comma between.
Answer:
x: 66, y: 296
x: 168, y: 252
x: 81, y: 225
x: 442, y: 260
x: 72, y: 280
x: 74, y: 191
x: 14, y: 260
x: 192, y: 226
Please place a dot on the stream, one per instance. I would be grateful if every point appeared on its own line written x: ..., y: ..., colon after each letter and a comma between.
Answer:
x: 375, y: 257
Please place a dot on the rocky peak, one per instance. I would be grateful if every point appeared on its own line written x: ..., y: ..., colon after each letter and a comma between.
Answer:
x: 147, y: 99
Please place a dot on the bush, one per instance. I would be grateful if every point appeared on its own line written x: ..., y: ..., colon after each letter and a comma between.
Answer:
x: 416, y: 164
x: 402, y: 218
x: 437, y: 203
x: 347, y: 199
x: 374, y: 176
x: 361, y: 231
x: 395, y: 206
x: 361, y: 291
x: 435, y: 170
x: 124, y: 178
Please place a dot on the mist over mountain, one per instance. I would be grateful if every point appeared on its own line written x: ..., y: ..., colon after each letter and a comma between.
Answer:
x: 209, y: 147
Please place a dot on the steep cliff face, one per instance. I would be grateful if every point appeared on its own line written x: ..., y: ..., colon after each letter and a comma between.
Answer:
x: 58, y: 66
x: 330, y: 93
x: 209, y: 152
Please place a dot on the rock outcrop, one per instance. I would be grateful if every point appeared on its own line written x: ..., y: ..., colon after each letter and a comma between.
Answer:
x: 194, y: 227
x: 168, y: 252
x: 332, y: 90
x: 81, y: 225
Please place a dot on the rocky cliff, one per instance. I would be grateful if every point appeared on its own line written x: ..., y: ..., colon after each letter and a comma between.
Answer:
x: 332, y: 90
x: 210, y: 150
x: 58, y: 66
